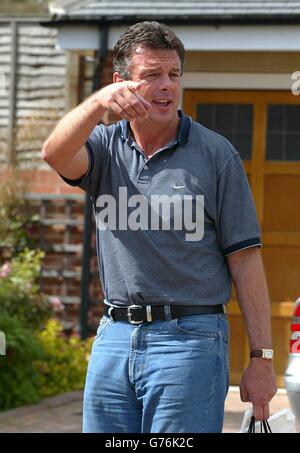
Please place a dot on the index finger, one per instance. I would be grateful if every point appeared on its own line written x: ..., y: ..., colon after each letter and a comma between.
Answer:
x: 134, y: 86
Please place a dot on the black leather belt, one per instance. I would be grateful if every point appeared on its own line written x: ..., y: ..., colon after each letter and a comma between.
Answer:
x: 136, y: 314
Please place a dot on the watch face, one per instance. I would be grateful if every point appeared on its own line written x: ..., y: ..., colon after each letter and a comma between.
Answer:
x: 267, y: 354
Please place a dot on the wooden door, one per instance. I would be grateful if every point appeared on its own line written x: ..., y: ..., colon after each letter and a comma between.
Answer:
x: 264, y: 126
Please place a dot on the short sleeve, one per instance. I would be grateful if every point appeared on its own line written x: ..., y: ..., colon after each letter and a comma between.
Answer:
x: 96, y: 149
x: 237, y: 223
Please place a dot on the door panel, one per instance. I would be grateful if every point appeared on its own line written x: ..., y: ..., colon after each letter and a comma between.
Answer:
x: 264, y: 128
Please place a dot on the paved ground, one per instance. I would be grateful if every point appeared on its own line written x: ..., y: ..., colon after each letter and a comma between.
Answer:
x: 63, y: 414
x: 60, y: 414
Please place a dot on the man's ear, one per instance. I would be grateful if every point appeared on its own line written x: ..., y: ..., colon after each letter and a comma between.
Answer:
x: 117, y: 77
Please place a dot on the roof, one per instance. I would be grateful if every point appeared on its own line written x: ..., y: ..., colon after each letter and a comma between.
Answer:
x: 201, y: 11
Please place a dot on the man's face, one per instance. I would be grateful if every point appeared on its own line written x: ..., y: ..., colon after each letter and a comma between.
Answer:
x: 161, y: 70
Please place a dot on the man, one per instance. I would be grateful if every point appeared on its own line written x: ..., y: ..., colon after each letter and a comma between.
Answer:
x: 159, y: 362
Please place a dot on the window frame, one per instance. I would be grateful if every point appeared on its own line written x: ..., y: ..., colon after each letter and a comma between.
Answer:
x: 258, y: 167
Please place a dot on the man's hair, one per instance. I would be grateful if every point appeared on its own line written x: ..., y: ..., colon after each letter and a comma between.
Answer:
x: 151, y: 35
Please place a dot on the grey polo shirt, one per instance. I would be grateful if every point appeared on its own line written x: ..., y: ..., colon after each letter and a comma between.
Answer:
x: 164, y: 259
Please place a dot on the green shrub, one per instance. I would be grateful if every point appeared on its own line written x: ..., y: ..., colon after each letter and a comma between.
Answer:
x: 18, y: 226
x: 18, y: 373
x: 39, y: 364
x: 23, y: 310
x: 40, y: 360
x: 64, y: 363
x: 20, y: 295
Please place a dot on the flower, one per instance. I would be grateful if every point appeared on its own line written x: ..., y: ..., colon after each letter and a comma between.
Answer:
x: 56, y: 304
x: 5, y: 270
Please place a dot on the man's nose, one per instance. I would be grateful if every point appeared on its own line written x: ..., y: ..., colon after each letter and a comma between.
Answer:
x: 165, y: 83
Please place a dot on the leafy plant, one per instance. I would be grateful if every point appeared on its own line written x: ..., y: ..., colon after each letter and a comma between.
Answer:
x: 24, y: 310
x: 64, y: 364
x: 17, y: 225
x: 19, y: 289
x: 39, y: 364
x: 18, y: 374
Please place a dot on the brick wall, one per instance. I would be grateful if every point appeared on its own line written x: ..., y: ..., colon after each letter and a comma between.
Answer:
x: 61, y: 273
x: 48, y: 181
x: 60, y: 235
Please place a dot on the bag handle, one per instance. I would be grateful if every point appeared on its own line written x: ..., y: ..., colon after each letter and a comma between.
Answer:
x: 264, y: 426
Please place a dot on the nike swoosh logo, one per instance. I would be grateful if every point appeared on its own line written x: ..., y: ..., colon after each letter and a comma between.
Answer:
x: 178, y: 187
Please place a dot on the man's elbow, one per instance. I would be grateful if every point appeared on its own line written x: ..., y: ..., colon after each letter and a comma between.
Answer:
x: 47, y: 153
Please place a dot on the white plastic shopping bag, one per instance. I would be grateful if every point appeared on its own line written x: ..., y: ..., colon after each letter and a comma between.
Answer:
x: 280, y: 422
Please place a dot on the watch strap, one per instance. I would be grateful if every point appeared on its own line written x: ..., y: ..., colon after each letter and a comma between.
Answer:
x: 262, y: 353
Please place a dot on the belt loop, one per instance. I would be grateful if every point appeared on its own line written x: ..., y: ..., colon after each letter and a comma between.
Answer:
x: 167, y: 309
x: 148, y: 313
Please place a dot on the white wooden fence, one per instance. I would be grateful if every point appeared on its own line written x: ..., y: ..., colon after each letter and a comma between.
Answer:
x: 32, y: 89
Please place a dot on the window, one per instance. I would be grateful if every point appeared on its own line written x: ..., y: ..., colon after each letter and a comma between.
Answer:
x: 233, y: 121
x: 283, y: 132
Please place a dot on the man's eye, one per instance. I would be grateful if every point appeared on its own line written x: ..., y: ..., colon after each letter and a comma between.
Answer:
x: 153, y: 74
x: 174, y: 75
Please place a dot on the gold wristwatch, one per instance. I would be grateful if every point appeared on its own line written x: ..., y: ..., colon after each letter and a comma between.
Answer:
x: 262, y: 354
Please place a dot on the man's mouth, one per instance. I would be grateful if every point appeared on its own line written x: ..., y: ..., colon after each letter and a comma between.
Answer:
x: 162, y: 102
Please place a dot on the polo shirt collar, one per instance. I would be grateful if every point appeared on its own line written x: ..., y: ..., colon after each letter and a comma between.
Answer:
x: 183, y: 131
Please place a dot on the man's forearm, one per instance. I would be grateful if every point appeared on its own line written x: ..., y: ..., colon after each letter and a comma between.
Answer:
x: 248, y: 275
x: 72, y: 131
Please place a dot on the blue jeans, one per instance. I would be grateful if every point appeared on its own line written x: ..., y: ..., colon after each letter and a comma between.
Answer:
x: 167, y: 376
